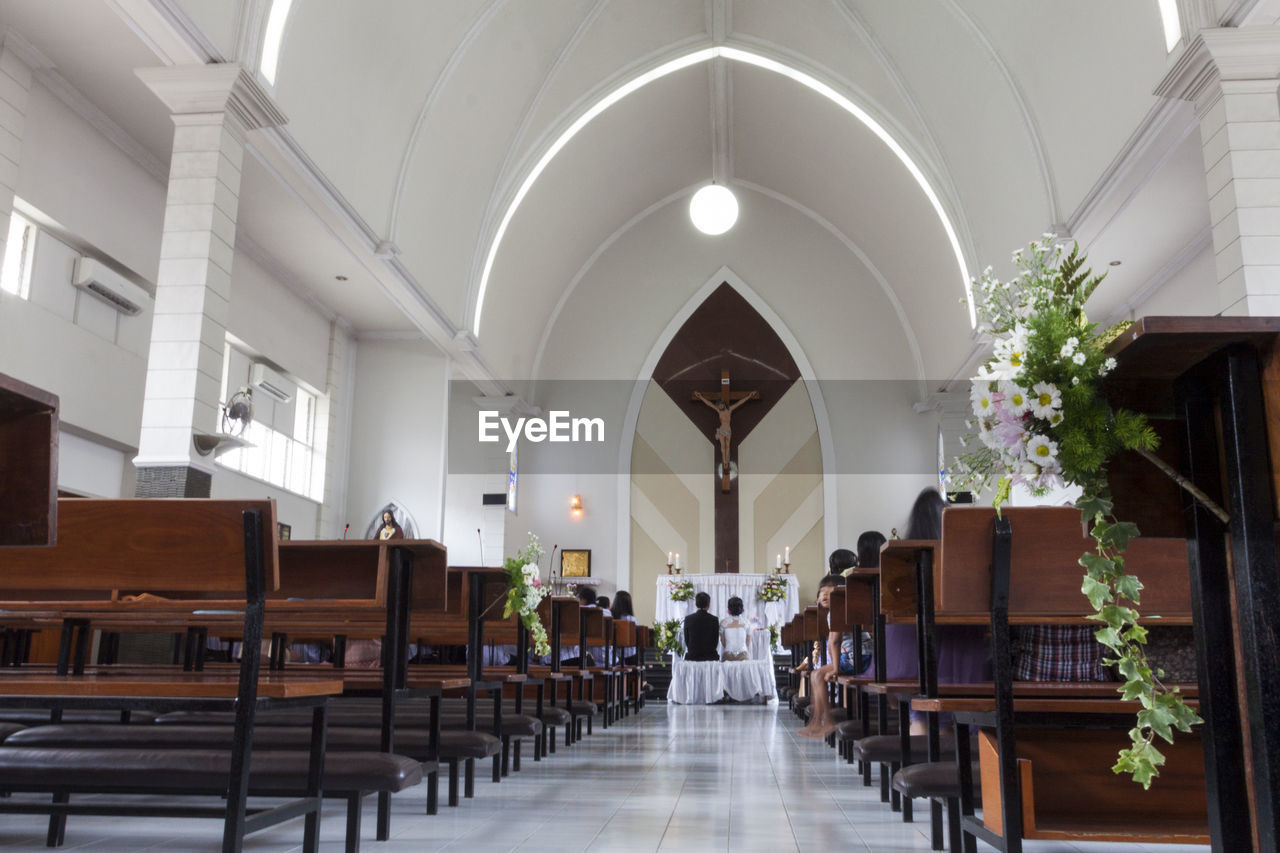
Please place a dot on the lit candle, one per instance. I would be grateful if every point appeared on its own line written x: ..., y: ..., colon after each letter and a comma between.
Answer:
x: 786, y: 557
x: 677, y: 560
x: 779, y: 561
x: 668, y: 558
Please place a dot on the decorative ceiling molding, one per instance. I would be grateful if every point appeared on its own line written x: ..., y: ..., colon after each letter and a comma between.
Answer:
x: 845, y: 240
x: 1028, y: 118
x: 201, y: 89
x: 166, y: 30
x: 1164, y: 128
x: 721, y: 88
x: 1223, y: 54
x: 250, y: 30
x: 33, y: 57
x: 941, y: 170
x: 502, y: 187
x: 507, y: 191
x: 762, y: 54
x: 481, y: 21
x: 1176, y: 264
x: 62, y: 89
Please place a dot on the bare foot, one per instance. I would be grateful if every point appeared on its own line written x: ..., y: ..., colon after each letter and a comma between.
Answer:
x: 811, y: 734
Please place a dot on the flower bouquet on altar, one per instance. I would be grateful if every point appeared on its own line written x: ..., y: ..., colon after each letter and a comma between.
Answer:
x: 525, y: 592
x: 681, y: 590
x: 1042, y: 421
x: 668, y: 638
x: 774, y: 588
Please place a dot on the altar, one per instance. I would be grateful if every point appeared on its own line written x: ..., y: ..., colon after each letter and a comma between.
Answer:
x: 722, y: 587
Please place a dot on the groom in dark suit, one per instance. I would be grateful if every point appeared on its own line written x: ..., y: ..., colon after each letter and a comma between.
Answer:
x: 701, y: 631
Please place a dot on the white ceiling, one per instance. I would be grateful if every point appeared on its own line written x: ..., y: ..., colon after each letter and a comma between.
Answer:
x: 426, y: 117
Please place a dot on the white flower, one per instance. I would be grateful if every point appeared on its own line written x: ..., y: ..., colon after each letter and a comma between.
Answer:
x: 1016, y: 399
x: 1055, y: 418
x: 1107, y: 366
x: 1078, y: 358
x: 980, y: 398
x: 1011, y: 354
x: 1042, y: 451
x: 1045, y: 399
x: 1073, y: 342
x: 1075, y: 380
x: 1067, y: 351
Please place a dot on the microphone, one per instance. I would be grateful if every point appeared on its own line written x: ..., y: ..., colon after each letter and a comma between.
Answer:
x: 345, y: 529
x: 480, y: 539
x: 551, y: 567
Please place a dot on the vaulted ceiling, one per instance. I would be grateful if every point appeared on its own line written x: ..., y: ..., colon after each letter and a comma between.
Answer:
x: 428, y: 120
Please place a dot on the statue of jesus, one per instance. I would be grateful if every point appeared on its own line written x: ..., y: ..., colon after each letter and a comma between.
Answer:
x: 723, y: 433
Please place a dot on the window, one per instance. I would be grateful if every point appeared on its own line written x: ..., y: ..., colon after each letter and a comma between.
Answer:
x: 15, y: 276
x: 286, y: 439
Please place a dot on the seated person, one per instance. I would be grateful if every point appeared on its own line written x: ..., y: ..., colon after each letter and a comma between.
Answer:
x: 701, y: 631
x: 623, y: 611
x: 603, y: 603
x: 570, y: 655
x: 734, y: 633
x: 821, y: 722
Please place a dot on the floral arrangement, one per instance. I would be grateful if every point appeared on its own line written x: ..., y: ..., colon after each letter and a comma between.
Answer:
x: 774, y: 636
x: 525, y: 591
x: 668, y: 639
x: 1042, y: 422
x: 774, y: 588
x: 681, y: 590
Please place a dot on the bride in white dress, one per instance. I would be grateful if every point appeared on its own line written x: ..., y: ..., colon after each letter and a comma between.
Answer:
x: 735, y: 633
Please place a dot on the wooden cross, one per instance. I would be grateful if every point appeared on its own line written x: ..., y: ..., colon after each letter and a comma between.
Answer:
x: 724, y: 402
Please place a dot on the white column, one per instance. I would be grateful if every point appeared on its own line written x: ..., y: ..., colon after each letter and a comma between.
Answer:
x: 333, y: 433
x: 1232, y: 76
x: 214, y: 107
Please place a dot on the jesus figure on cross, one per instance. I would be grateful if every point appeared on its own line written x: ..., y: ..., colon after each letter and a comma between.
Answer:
x: 724, y: 433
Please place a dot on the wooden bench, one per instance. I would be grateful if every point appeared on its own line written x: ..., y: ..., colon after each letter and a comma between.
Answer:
x: 227, y: 547
x: 1030, y: 579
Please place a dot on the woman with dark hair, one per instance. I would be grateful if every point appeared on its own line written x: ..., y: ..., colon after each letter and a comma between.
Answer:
x: 964, y: 656
x: 622, y: 607
x: 734, y: 632
x: 841, y: 560
x: 869, y: 544
x: 623, y: 611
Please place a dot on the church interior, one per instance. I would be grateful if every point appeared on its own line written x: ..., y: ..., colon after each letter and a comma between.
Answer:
x: 358, y: 310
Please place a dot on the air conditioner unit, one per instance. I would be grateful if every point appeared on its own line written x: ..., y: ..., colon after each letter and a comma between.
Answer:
x: 109, y: 286
x: 271, y: 383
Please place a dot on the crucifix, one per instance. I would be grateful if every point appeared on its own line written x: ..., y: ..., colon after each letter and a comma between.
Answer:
x: 725, y: 402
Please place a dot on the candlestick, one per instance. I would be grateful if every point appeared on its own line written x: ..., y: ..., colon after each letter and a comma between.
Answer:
x: 670, y: 563
x: 779, y: 561
x: 678, y: 561
x: 786, y: 567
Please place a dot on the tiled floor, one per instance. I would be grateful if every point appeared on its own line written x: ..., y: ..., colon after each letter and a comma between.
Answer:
x: 672, y: 778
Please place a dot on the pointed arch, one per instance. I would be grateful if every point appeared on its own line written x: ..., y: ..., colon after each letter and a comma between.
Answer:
x: 826, y: 439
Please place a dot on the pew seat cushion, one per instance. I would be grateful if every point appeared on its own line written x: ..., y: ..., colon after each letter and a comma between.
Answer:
x: 339, y: 739
x: 150, y: 769
x: 554, y: 715
x: 852, y: 729
x: 582, y: 708
x: 37, y: 717
x: 887, y: 749
x: 7, y: 729
x: 932, y: 779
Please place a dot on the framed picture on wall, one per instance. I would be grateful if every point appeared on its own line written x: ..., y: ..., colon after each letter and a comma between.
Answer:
x: 284, y: 532
x: 575, y: 564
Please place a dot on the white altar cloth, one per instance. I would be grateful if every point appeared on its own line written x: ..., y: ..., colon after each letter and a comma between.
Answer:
x: 707, y: 682
x: 721, y: 588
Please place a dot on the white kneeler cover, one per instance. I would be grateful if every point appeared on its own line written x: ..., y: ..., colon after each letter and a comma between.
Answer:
x: 698, y: 682
x: 745, y: 680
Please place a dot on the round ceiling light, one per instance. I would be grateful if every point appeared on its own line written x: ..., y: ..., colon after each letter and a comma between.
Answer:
x: 713, y: 209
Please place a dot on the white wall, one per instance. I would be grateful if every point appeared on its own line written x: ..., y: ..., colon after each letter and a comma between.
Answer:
x: 1192, y: 291
x: 78, y: 177
x: 294, y: 510
x: 398, y: 433
x: 277, y: 323
x: 88, y: 468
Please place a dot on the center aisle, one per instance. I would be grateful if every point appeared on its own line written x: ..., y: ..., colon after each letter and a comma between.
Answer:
x: 718, y: 778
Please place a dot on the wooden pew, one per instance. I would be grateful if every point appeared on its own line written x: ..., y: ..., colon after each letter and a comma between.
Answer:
x: 223, y: 546
x: 28, y: 464
x: 1034, y: 577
